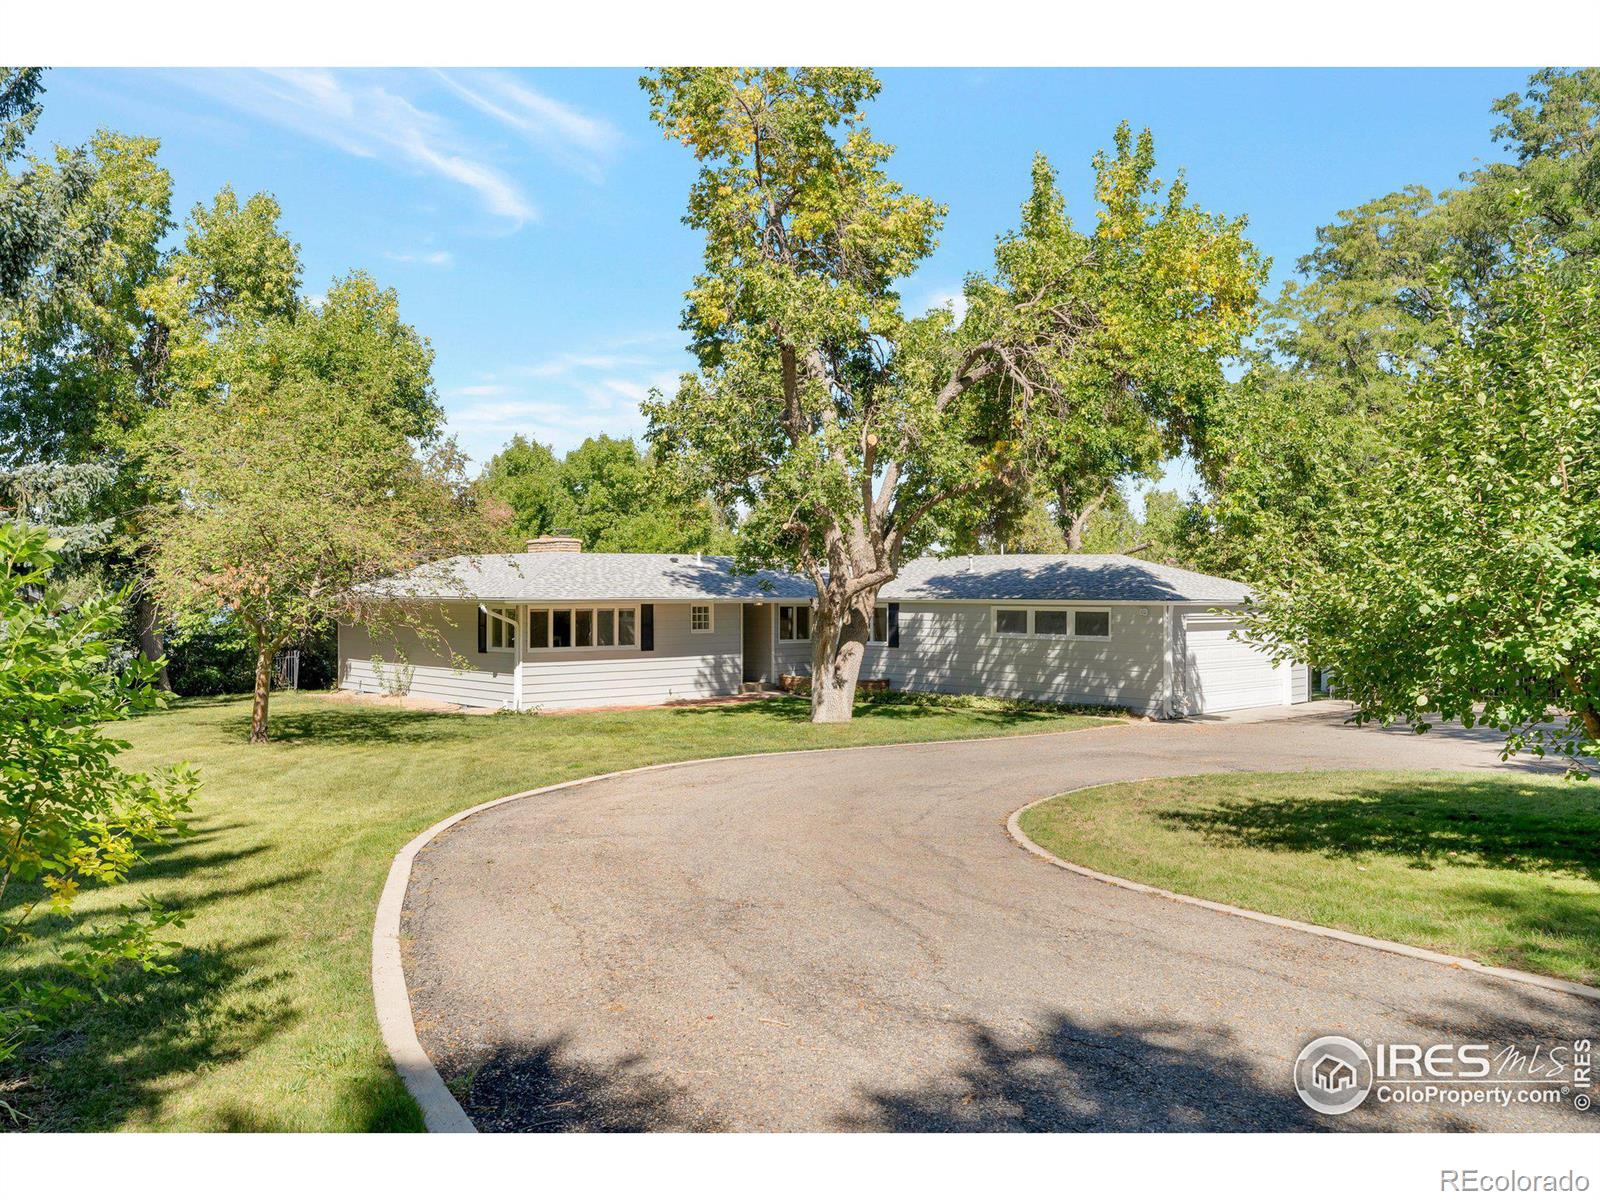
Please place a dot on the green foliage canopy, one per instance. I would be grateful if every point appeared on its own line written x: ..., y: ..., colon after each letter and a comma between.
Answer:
x: 1463, y: 568
x: 286, y: 496
x: 607, y: 493
x: 850, y: 432
x: 69, y: 815
x: 1379, y: 296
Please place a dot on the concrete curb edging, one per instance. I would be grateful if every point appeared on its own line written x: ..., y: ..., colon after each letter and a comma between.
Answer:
x: 1014, y: 828
x: 441, y: 1111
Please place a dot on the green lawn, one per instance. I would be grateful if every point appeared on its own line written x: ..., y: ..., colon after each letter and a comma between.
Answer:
x: 1502, y: 868
x: 268, y: 1024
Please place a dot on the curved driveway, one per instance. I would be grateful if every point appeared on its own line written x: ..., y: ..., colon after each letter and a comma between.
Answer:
x: 849, y: 940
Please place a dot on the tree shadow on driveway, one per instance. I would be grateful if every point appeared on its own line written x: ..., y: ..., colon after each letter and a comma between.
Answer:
x: 1070, y: 1077
x: 542, y: 1088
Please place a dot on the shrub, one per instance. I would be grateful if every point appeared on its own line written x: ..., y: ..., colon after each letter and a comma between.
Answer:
x: 69, y: 815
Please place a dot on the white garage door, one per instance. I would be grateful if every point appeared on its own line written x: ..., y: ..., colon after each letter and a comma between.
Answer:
x: 1226, y: 674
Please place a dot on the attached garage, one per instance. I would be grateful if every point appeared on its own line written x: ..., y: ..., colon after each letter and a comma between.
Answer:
x: 1221, y: 673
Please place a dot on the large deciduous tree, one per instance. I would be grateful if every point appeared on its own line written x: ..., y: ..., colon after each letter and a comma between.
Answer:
x: 849, y: 431
x: 1378, y: 297
x: 284, y: 499
x: 1459, y: 574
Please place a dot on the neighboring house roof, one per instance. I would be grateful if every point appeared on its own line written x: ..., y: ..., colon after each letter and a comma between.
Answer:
x: 585, y: 576
x: 1069, y: 577
x: 1026, y: 577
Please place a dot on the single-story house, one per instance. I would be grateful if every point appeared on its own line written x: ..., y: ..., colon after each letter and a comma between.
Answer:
x: 559, y: 628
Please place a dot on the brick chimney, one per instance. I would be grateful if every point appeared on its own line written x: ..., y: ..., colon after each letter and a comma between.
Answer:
x: 559, y: 542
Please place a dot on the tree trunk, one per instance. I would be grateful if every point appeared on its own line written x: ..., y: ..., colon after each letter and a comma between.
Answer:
x: 836, y: 655
x: 1587, y: 713
x: 151, y: 646
x: 1591, y: 721
x: 1075, y: 521
x: 258, y: 707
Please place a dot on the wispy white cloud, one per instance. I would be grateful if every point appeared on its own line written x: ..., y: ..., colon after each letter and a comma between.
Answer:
x: 572, y: 137
x: 367, y: 119
x: 479, y: 389
x: 566, y: 398
x: 427, y: 258
x: 569, y: 364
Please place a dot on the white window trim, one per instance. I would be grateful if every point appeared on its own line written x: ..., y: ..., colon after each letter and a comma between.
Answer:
x: 550, y: 628
x: 1072, y: 612
x: 711, y: 618
x: 497, y: 617
x: 777, y: 625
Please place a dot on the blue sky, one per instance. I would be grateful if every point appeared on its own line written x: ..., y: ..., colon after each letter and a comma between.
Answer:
x: 530, y: 219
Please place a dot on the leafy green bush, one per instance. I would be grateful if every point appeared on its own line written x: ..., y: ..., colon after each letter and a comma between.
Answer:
x: 210, y: 657
x: 213, y: 656
x: 69, y: 816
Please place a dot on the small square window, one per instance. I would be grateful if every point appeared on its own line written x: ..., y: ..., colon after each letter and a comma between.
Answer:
x: 1091, y: 624
x: 1011, y: 620
x: 700, y: 618
x: 625, y: 627
x: 1050, y: 622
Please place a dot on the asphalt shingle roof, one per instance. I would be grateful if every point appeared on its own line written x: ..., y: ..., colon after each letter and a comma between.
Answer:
x: 1027, y: 577
x: 1069, y: 577
x: 585, y: 576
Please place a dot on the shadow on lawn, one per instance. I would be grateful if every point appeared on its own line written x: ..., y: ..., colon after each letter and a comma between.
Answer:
x: 356, y: 725
x: 1486, y: 823
x: 109, y: 1062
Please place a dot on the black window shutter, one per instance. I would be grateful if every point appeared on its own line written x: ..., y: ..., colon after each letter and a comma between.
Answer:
x: 483, y: 630
x: 894, y: 624
x: 647, y: 627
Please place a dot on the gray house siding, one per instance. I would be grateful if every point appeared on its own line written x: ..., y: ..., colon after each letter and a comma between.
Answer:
x: 789, y: 658
x: 685, y: 665
x: 951, y: 647
x: 1169, y: 650
x: 409, y: 665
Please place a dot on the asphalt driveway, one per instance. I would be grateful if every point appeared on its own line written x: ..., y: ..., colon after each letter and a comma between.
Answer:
x: 849, y: 940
